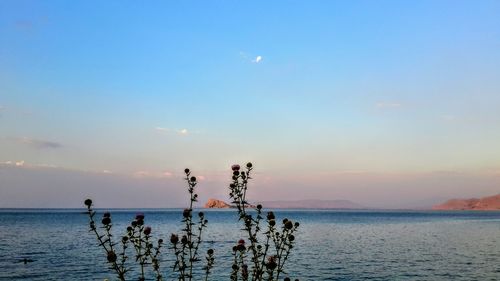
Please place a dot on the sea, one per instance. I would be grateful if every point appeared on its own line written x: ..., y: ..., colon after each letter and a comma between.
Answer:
x: 330, y: 244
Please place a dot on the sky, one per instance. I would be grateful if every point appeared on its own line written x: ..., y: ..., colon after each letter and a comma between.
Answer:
x: 389, y: 104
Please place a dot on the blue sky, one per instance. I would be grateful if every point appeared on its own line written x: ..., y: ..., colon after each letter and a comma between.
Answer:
x: 307, y: 90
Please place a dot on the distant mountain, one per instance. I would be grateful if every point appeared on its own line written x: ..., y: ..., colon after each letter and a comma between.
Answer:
x: 485, y: 203
x: 311, y: 204
x: 298, y: 204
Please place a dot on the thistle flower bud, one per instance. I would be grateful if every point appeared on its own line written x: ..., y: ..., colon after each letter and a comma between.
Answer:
x: 174, y: 239
x: 139, y: 216
x: 270, y: 216
x: 160, y: 241
x: 147, y: 230
x: 201, y: 214
x: 111, y: 256
x: 288, y: 225
x: 297, y: 224
x: 271, y: 263
x: 193, y: 179
x: 184, y: 239
x: 106, y: 215
x: 210, y: 252
x: 106, y: 220
x: 236, y: 173
x: 272, y: 222
x: 241, y: 241
x: 186, y: 171
x: 124, y: 239
x: 249, y: 165
x: 235, y: 167
x: 259, y: 207
x: 88, y: 202
x: 186, y: 213
x: 291, y: 237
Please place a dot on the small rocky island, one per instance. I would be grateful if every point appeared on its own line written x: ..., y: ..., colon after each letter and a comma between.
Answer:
x: 490, y: 203
x: 217, y: 204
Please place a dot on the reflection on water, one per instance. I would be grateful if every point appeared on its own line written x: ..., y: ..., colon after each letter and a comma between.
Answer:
x: 331, y: 245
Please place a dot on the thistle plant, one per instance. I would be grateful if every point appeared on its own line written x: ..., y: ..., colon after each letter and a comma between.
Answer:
x: 268, y: 247
x: 137, y: 237
x: 186, y: 252
x: 147, y: 255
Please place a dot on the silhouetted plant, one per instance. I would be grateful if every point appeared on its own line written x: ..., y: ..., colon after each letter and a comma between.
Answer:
x: 187, y: 252
x: 271, y: 255
x: 266, y: 258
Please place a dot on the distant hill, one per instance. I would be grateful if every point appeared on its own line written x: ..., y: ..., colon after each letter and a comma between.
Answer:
x: 485, y: 203
x: 297, y: 204
x: 311, y: 204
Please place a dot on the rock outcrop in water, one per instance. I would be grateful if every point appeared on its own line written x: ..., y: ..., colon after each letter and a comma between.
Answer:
x: 214, y: 203
x: 486, y: 203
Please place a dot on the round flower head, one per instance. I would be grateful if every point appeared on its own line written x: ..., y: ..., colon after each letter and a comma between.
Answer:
x: 174, y: 239
x: 139, y: 216
x: 184, y: 239
x: 111, y: 256
x: 210, y: 252
x: 186, y: 213
x: 106, y: 220
x: 235, y: 167
x: 270, y: 216
x: 147, y: 230
x: 88, y: 202
x: 249, y: 165
x: 106, y: 215
x: 186, y: 171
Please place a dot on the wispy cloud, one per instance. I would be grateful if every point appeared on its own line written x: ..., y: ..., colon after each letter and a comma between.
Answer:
x: 155, y: 175
x: 24, y: 164
x: 257, y: 59
x: 251, y: 58
x: 39, y: 144
x: 181, y: 132
x: 384, y: 104
x: 161, y: 129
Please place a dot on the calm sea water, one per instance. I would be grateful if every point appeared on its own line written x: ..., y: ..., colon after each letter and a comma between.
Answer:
x: 331, y: 245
